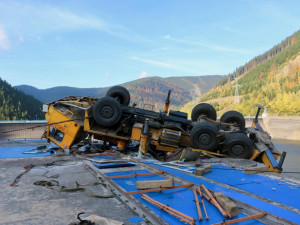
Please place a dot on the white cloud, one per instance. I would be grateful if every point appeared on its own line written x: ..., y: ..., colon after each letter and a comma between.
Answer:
x: 153, y: 62
x: 40, y: 18
x: 4, y: 42
x: 144, y: 74
x: 177, y: 65
x: 207, y: 45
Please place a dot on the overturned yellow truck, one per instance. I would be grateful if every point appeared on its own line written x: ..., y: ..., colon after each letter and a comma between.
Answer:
x: 112, y: 119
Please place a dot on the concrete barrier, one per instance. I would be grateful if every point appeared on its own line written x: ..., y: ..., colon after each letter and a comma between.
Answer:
x: 279, y: 127
x: 283, y: 127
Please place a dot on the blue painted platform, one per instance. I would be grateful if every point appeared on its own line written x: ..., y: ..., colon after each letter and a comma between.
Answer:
x: 17, y: 152
x: 181, y: 199
x: 257, y: 184
x: 267, y: 207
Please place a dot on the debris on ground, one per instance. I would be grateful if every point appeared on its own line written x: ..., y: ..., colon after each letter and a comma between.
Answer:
x: 203, y: 170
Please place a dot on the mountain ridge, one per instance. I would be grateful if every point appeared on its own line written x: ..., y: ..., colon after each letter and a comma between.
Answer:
x: 273, y: 83
x: 143, y: 91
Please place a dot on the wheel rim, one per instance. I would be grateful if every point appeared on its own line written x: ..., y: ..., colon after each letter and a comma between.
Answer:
x: 107, y: 112
x: 205, y: 139
x: 238, y: 150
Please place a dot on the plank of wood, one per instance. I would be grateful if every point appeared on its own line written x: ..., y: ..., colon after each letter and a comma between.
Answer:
x: 159, y: 189
x: 155, y: 184
x: 227, y: 204
x: 254, y: 170
x: 202, y: 170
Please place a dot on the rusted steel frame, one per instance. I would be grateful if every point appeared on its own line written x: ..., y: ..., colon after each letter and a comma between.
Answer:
x: 215, y: 202
x: 202, y: 201
x: 151, y: 217
x: 180, y: 217
x: 174, y: 212
x: 208, y: 198
x: 168, y: 209
x: 135, y: 175
x: 242, y: 219
x: 198, y: 205
x: 159, y: 189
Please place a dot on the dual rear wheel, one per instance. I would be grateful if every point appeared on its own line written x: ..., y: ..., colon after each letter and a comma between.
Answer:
x: 205, y: 135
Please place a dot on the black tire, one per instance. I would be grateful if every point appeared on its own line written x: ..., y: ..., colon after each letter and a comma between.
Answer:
x: 204, y: 109
x: 234, y: 117
x: 107, y: 111
x: 191, y: 156
x: 120, y: 93
x: 204, y: 136
x: 239, y: 145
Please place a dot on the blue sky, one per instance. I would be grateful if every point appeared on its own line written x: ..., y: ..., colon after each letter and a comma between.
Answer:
x: 95, y: 43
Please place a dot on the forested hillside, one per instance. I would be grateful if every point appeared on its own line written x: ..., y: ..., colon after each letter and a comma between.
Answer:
x: 150, y: 90
x: 154, y: 92
x: 271, y: 80
x: 15, y: 105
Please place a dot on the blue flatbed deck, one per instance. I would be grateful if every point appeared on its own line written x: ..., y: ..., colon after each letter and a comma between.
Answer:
x: 262, y: 193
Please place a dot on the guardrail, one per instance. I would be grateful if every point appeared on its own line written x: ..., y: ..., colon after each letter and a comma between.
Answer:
x: 11, y: 130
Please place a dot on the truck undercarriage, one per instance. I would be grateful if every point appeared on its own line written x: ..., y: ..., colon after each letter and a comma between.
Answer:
x: 111, y: 120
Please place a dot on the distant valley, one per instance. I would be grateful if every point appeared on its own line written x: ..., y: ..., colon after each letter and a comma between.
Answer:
x: 150, y: 90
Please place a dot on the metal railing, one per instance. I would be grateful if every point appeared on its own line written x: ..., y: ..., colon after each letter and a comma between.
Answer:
x: 22, y: 130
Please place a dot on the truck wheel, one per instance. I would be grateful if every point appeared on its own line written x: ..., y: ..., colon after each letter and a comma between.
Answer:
x: 107, y: 111
x: 204, y: 136
x: 204, y: 109
x: 120, y: 93
x: 239, y: 145
x: 234, y: 117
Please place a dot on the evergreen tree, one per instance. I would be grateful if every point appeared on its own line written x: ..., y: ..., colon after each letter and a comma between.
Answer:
x: 15, y: 105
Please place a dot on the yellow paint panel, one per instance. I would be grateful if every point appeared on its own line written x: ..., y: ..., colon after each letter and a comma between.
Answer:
x: 136, y: 134
x: 70, y: 128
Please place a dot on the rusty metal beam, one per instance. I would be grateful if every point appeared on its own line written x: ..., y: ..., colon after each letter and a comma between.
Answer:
x: 168, y: 209
x: 242, y: 219
x: 198, y: 205
x: 212, y: 199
